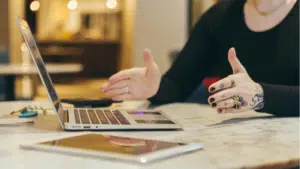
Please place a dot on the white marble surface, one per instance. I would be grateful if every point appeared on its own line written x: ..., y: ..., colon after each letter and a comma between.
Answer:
x: 231, y: 141
x: 18, y: 69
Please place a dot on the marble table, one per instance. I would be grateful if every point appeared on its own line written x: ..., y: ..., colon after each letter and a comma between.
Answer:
x: 231, y: 141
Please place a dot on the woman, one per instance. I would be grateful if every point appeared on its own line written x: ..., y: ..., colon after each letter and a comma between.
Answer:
x: 263, y: 34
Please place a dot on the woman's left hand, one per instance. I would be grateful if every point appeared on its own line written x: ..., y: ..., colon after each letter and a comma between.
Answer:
x: 237, y: 92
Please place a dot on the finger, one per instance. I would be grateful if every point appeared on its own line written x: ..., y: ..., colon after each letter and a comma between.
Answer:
x: 228, y: 103
x: 225, y: 94
x: 151, y: 66
x: 221, y: 85
x: 221, y: 111
x: 232, y: 110
x: 117, y: 85
x: 228, y: 110
x: 236, y: 65
x: 148, y: 59
x: 103, y: 87
x: 122, y: 75
x: 116, y: 92
x: 122, y: 97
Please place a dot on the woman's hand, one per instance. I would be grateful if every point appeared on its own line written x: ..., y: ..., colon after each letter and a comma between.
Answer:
x: 237, y: 92
x: 135, y: 83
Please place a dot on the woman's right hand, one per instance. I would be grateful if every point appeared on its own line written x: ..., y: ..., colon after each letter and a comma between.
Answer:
x: 135, y: 83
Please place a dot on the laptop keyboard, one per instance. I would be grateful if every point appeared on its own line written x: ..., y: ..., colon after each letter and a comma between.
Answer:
x: 84, y: 117
x: 97, y: 116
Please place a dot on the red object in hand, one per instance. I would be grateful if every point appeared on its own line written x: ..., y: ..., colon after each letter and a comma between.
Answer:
x: 210, y: 80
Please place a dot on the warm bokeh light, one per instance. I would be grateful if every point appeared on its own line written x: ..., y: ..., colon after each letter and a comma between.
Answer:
x: 35, y: 6
x: 73, y: 4
x: 23, y: 47
x: 111, y: 4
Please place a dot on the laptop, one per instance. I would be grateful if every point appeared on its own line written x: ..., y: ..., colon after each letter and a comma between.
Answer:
x: 93, y: 118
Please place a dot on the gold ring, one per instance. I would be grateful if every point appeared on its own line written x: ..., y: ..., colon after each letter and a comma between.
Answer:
x: 238, y: 102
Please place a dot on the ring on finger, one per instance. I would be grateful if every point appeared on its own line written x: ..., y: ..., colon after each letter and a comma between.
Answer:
x: 238, y: 102
x: 227, y: 103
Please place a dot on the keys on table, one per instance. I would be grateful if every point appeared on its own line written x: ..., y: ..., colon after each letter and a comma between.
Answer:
x: 98, y: 116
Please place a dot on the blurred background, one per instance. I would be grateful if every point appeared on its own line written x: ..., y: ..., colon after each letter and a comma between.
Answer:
x: 83, y: 42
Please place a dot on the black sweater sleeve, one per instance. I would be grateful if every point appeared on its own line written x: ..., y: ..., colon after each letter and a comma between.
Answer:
x: 281, y: 100
x: 191, y: 65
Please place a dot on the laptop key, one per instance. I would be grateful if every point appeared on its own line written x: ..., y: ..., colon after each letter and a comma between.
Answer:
x: 66, y: 116
x: 84, y: 117
x: 77, y: 120
x: 102, y: 117
x: 111, y: 117
x: 122, y: 119
x: 93, y: 117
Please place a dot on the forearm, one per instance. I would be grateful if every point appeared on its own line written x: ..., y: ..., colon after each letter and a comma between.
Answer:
x: 191, y: 66
x: 281, y: 100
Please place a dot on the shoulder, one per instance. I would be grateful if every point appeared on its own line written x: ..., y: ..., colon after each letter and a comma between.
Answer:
x: 224, y: 5
x: 222, y: 11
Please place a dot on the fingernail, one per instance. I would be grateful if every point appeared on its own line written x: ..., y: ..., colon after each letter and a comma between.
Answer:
x: 214, y: 105
x: 212, y: 89
x: 219, y: 110
x: 211, y: 99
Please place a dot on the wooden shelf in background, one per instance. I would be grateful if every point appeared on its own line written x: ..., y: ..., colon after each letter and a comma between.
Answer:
x: 83, y: 41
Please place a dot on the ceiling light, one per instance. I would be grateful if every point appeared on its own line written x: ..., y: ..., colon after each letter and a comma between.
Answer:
x: 73, y: 4
x: 34, y: 6
x: 111, y: 4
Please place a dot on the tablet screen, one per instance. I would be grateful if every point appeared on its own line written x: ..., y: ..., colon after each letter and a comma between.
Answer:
x: 113, y: 144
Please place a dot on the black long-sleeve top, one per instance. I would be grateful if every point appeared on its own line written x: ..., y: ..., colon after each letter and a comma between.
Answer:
x: 270, y: 57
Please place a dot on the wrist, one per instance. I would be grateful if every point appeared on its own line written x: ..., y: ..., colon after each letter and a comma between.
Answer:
x: 258, y: 98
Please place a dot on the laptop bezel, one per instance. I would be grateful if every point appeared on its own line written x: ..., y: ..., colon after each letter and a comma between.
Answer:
x: 60, y: 110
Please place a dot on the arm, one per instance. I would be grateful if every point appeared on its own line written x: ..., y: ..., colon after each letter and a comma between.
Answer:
x: 239, y: 93
x: 281, y: 100
x: 190, y: 67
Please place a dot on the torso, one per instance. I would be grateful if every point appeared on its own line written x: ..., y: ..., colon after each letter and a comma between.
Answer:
x: 270, y: 53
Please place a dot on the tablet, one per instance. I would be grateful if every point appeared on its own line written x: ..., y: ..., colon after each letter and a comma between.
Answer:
x: 114, y: 147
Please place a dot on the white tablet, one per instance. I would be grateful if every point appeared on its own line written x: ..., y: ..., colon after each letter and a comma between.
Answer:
x: 114, y: 147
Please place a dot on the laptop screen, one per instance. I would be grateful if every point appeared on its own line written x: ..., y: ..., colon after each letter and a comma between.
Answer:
x: 44, y: 75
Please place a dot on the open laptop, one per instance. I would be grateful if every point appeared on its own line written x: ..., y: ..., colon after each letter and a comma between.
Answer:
x: 93, y: 119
